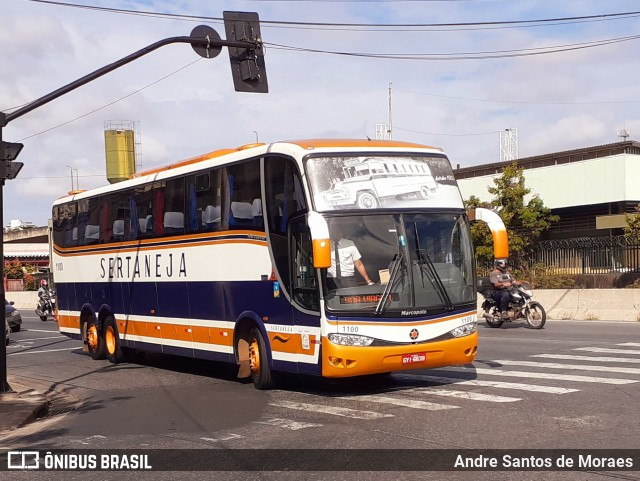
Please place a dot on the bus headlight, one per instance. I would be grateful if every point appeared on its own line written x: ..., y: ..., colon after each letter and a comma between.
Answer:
x: 350, y: 339
x: 465, y: 329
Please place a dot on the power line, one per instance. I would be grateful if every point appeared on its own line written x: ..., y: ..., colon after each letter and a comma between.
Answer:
x: 281, y: 23
x: 110, y: 103
x: 448, y: 135
x: 527, y: 102
x: 524, y: 52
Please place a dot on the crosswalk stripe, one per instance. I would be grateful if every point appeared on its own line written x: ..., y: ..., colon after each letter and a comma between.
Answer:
x: 569, y: 357
x: 288, y: 424
x: 540, y: 375
x: 334, y: 410
x: 630, y: 344
x: 486, y: 383
x: 581, y: 367
x: 607, y: 350
x: 407, y: 403
x: 473, y: 396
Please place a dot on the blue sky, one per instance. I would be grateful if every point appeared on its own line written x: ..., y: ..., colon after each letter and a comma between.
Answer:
x: 557, y: 101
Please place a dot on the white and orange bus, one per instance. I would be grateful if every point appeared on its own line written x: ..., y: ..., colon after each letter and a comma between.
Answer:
x: 228, y: 257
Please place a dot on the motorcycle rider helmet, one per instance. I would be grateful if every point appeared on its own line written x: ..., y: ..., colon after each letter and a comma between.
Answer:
x: 501, y: 265
x: 43, y: 283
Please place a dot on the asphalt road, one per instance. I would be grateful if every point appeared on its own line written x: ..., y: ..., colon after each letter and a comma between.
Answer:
x: 572, y: 385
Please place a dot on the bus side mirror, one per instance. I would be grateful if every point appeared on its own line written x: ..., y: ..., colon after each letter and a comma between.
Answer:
x: 321, y: 243
x: 321, y: 253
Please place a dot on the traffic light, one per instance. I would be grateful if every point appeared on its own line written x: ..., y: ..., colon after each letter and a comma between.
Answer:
x: 247, y: 64
x: 9, y: 151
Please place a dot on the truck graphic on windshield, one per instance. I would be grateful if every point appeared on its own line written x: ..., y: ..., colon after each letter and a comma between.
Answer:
x: 369, y: 181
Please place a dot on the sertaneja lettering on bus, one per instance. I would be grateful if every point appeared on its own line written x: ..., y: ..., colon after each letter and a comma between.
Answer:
x: 149, y: 266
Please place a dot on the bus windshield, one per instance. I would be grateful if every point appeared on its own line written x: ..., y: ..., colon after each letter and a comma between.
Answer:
x: 399, y: 264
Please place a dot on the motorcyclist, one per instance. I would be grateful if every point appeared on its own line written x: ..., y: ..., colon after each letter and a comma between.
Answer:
x: 44, y: 295
x: 502, y: 282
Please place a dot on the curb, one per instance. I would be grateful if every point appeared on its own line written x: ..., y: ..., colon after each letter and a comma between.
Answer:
x: 22, y: 406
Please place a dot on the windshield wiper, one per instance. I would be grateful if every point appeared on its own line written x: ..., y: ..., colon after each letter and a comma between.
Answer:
x: 397, y: 266
x: 434, y: 277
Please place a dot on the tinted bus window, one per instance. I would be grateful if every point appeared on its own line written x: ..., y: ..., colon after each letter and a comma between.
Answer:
x: 245, y: 207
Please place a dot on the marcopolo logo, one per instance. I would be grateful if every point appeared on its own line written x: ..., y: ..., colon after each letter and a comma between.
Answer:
x: 23, y: 460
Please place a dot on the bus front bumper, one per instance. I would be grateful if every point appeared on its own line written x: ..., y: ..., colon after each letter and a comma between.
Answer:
x: 348, y: 361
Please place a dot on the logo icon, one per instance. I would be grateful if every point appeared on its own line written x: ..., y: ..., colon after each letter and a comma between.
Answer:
x: 23, y: 460
x: 414, y: 334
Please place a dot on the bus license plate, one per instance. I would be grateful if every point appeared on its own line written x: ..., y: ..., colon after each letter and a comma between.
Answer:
x: 413, y: 358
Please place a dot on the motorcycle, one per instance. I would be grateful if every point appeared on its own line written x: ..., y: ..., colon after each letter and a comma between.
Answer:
x: 521, y: 307
x: 46, y: 305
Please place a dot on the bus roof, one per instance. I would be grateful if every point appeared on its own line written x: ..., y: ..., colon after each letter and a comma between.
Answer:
x: 331, y: 144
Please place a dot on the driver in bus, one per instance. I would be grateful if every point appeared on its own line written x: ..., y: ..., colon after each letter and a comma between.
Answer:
x: 345, y: 260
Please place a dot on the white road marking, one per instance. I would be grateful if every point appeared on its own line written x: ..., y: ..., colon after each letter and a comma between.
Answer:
x: 472, y: 396
x: 587, y: 358
x: 541, y: 375
x: 581, y: 367
x: 42, y: 330
x: 485, y: 383
x: 334, y: 410
x: 43, y: 338
x: 45, y: 350
x: 229, y: 437
x: 288, y: 424
x: 407, y: 403
x: 630, y: 344
x: 607, y: 350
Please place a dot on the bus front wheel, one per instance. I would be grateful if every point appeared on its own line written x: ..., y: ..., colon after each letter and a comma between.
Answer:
x: 258, y: 361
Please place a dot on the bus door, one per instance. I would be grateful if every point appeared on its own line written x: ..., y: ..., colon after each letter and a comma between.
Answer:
x: 305, y: 296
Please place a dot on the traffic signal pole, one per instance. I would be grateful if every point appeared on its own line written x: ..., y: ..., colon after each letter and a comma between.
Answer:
x: 246, y: 55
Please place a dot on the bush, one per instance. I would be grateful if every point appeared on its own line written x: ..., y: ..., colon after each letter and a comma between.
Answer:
x: 30, y: 283
x: 13, y: 270
x: 628, y: 279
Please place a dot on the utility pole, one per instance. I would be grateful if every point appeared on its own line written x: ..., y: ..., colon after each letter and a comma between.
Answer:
x: 246, y: 56
x: 389, y: 123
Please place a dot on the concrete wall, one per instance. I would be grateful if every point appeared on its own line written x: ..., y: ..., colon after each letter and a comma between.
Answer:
x: 589, y: 304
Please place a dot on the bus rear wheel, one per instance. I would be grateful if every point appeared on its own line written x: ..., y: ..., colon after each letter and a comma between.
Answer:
x: 112, y: 341
x: 95, y: 340
x: 258, y: 361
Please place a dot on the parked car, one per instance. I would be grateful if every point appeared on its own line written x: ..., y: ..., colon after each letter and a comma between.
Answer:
x: 7, y: 330
x: 12, y: 315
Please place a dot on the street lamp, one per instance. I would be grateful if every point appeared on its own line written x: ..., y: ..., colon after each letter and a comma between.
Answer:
x: 257, y: 141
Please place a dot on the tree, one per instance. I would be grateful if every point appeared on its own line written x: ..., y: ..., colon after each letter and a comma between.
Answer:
x: 525, y: 222
x: 632, y: 229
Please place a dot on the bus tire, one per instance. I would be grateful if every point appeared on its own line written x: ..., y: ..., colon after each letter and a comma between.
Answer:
x: 259, y: 361
x: 425, y: 193
x: 366, y: 200
x: 112, y: 341
x: 95, y: 340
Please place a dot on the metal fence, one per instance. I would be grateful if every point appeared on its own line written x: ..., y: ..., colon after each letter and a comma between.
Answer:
x: 587, y: 255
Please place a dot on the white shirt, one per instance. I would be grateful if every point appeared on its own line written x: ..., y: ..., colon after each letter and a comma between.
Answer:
x: 348, y: 253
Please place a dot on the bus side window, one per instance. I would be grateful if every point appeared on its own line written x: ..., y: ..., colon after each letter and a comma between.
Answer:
x: 173, y: 217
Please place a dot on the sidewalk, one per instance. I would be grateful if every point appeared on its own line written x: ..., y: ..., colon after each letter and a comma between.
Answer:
x: 21, y: 407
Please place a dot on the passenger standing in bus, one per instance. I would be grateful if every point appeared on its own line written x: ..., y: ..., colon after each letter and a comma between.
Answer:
x: 345, y: 260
